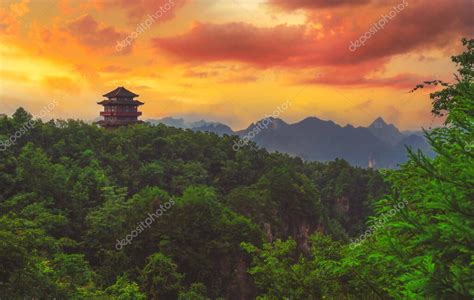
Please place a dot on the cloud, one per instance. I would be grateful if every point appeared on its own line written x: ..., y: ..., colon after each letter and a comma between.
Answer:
x: 14, y: 75
x: 9, y: 17
x: 325, y: 38
x: 420, y: 25
x: 240, y: 79
x: 137, y: 10
x: 207, y: 42
x: 95, y: 35
x: 115, y: 69
x: 200, y: 74
x: 21, y: 8
x: 405, y: 81
x: 314, y: 4
x: 61, y: 83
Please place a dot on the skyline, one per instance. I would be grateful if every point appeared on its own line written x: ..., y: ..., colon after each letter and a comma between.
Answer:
x: 231, y: 61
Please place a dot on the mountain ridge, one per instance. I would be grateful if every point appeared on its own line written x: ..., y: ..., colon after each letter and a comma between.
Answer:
x: 316, y: 139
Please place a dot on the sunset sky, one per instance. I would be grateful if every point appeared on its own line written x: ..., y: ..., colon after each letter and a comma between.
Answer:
x: 231, y: 61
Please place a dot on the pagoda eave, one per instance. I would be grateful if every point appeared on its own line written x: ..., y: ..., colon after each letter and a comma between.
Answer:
x: 118, y: 102
x: 120, y: 114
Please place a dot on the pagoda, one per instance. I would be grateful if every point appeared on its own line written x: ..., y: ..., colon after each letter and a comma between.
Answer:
x: 120, y: 108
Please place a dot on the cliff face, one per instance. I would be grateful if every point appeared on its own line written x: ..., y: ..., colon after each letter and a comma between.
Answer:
x: 267, y: 228
x: 242, y: 287
x: 343, y: 214
x: 299, y: 229
x: 342, y: 205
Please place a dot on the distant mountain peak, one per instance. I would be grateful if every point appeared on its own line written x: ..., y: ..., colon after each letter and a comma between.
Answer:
x: 269, y: 122
x: 311, y: 119
x: 386, y: 132
x: 378, y: 123
x: 278, y: 121
x: 379, y: 119
x: 274, y: 120
x: 217, y: 128
x: 315, y: 122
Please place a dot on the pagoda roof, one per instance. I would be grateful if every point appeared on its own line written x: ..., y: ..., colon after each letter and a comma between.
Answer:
x: 120, y: 102
x: 120, y: 92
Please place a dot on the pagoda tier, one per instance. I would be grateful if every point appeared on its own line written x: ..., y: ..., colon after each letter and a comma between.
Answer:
x: 120, y: 102
x: 120, y: 114
x: 120, y: 108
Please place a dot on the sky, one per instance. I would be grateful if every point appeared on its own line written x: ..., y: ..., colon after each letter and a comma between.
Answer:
x: 235, y: 62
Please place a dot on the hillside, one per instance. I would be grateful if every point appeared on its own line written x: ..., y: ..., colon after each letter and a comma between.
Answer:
x: 71, y: 192
x: 144, y: 211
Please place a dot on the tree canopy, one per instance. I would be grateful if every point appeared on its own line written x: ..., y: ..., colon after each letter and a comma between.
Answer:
x: 196, y: 219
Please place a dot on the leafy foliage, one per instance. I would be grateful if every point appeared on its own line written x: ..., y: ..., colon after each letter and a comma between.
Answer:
x: 202, y: 221
x: 72, y: 192
x: 423, y: 251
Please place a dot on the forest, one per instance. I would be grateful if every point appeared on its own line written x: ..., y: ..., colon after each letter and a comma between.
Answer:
x: 156, y: 212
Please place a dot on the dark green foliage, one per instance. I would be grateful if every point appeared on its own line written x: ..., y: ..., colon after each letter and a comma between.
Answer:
x: 160, y: 278
x: 75, y: 199
x: 123, y: 289
x: 161, y: 213
x: 71, y: 193
x: 421, y: 242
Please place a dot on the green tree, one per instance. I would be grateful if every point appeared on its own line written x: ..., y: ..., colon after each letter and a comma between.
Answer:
x: 422, y: 242
x: 432, y: 241
x: 197, y: 291
x: 280, y: 271
x: 160, y: 278
x: 123, y: 289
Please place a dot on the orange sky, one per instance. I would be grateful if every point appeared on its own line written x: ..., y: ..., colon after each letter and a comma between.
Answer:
x: 231, y: 61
